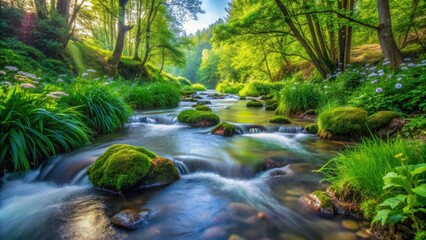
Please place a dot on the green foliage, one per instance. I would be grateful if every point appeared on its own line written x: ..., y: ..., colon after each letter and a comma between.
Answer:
x: 312, y: 128
x: 254, y: 104
x: 342, y: 121
x: 229, y: 87
x: 380, y: 119
x: 10, y: 21
x: 359, y: 170
x: 271, y: 105
x: 325, y: 200
x: 198, y: 118
x: 225, y: 129
x: 163, y: 171
x: 187, y: 90
x: 198, y: 87
x: 255, y: 89
x: 203, y: 108
x: 420, y: 235
x: 415, y: 125
x: 105, y: 110
x: 407, y: 187
x: 184, y: 81
x: 35, y: 128
x: 299, y: 98
x: 151, y: 95
x: 51, y: 35
x: 84, y: 57
x: 280, y: 120
x: 121, y: 167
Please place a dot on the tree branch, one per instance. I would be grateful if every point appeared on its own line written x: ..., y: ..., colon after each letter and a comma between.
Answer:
x: 340, y: 15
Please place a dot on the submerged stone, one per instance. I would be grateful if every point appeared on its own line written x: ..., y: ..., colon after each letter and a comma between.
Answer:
x: 318, y: 202
x: 162, y: 172
x: 130, y: 218
x: 224, y: 129
x: 350, y: 224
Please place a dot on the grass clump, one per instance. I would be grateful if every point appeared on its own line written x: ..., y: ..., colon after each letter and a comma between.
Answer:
x: 121, y: 167
x: 255, y: 89
x: 359, y: 170
x: 105, y: 110
x: 380, y: 119
x: 271, y: 105
x: 229, y: 87
x: 198, y: 118
x: 224, y: 129
x: 254, y: 104
x: 312, y: 128
x: 299, y: 99
x: 34, y: 127
x: 203, y: 108
x: 198, y: 87
x: 152, y: 95
x: 280, y: 120
x: 342, y: 121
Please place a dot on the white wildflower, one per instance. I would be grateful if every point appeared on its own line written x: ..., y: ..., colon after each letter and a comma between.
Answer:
x: 85, y: 74
x: 11, y: 68
x: 27, y: 85
x: 91, y: 70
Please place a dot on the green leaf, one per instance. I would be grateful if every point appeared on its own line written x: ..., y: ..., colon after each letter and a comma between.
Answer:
x: 419, y: 168
x: 420, y: 190
x: 396, y: 216
x: 381, y: 216
x: 395, y: 180
x: 393, y: 201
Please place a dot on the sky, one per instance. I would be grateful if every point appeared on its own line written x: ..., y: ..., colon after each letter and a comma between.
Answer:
x: 215, y: 9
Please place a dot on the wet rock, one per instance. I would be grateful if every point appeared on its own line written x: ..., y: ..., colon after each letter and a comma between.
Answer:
x: 163, y: 172
x: 363, y: 233
x: 241, y: 210
x: 130, y: 218
x: 392, y: 129
x: 214, y: 232
x: 205, y: 102
x: 350, y: 224
x: 280, y: 161
x: 235, y: 237
x: 225, y: 129
x: 296, y: 192
x: 341, y: 235
x: 318, y: 202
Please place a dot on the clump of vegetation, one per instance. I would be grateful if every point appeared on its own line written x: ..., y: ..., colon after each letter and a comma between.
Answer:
x: 198, y: 87
x: 198, y: 118
x: 229, y: 87
x: 298, y: 99
x: 163, y: 171
x: 105, y: 110
x: 255, y: 89
x: 224, y: 129
x: 342, y: 121
x: 151, y: 95
x: 203, y: 108
x: 34, y: 127
x: 271, y: 105
x: 187, y: 91
x: 280, y: 120
x: 312, y: 128
x: 254, y: 104
x: 380, y: 119
x: 121, y: 167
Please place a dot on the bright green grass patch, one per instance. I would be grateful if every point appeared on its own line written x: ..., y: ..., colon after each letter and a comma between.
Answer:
x: 152, y: 95
x: 298, y: 99
x: 255, y: 89
x: 229, y: 87
x: 198, y: 87
x: 280, y: 120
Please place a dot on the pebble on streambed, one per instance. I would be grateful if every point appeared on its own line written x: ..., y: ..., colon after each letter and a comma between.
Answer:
x: 130, y: 218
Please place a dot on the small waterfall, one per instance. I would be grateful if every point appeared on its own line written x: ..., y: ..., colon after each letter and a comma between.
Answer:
x: 291, y: 129
x: 165, y: 120
x: 252, y: 128
x: 182, y: 168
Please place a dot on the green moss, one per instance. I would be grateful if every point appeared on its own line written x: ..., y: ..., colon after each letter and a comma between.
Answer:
x: 187, y: 90
x: 163, y: 171
x: 280, y: 120
x: 380, y: 119
x: 120, y: 167
x: 198, y: 87
x: 225, y: 129
x: 368, y: 208
x: 203, y: 108
x: 342, y: 121
x: 312, y: 128
x: 324, y: 199
x: 198, y: 118
x: 271, y: 105
x: 255, y: 104
x: 243, y: 97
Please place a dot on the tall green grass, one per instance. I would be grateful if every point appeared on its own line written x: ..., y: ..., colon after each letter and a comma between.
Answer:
x: 255, y: 89
x: 105, y: 110
x: 300, y: 98
x: 33, y: 128
x: 152, y: 95
x: 360, y: 169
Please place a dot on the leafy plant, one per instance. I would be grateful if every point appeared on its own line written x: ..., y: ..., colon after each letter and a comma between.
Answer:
x: 299, y: 98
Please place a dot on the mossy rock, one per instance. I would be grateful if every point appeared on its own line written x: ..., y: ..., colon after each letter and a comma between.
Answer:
x: 203, y: 108
x: 380, y: 119
x: 318, y: 202
x: 243, y: 97
x: 121, y: 167
x: 225, y: 129
x: 163, y: 171
x: 198, y: 118
x: 280, y: 120
x: 271, y: 105
x: 312, y: 128
x: 255, y: 104
x: 342, y: 122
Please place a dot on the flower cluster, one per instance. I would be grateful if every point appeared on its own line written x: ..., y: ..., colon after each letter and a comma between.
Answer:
x: 57, y: 94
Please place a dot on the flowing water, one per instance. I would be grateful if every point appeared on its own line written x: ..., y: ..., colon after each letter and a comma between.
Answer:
x: 224, y: 191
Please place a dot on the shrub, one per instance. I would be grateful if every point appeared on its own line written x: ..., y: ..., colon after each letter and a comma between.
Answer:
x: 198, y: 118
x: 34, y: 128
x: 224, y: 129
x: 163, y: 171
x: 51, y: 35
x: 380, y: 119
x: 312, y: 128
x: 229, y: 87
x: 342, y: 121
x: 299, y: 99
x: 255, y: 104
x: 105, y: 110
x: 198, y: 87
x: 121, y: 167
x: 255, y: 89
x: 280, y: 120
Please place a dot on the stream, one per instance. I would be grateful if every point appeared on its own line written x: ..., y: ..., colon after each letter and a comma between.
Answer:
x: 225, y: 191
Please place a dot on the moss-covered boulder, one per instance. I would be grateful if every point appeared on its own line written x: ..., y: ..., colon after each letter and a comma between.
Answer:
x: 280, y: 120
x: 203, y: 108
x: 254, y: 104
x: 380, y: 120
x: 163, y: 172
x: 121, y: 167
x: 271, y: 105
x: 225, y: 129
x: 318, y: 202
x: 342, y: 122
x: 198, y: 118
x: 312, y: 128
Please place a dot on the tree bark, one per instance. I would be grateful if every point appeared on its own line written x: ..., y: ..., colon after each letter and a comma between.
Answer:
x: 388, y: 45
x: 63, y: 8
x: 348, y: 38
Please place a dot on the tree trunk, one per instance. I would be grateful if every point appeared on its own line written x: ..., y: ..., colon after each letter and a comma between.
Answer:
x: 162, y: 60
x: 414, y: 5
x: 41, y: 8
x: 348, y: 38
x: 122, y: 30
x: 63, y: 8
x: 138, y: 31
x: 389, y: 48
